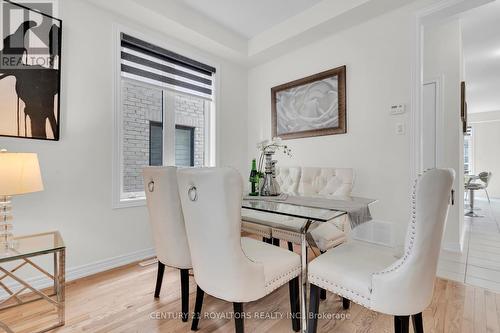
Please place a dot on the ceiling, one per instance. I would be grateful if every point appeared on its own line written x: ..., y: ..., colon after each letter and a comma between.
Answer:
x: 249, y: 18
x: 249, y: 32
x: 481, y: 43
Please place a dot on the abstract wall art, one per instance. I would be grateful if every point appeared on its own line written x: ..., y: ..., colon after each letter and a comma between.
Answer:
x: 30, y: 72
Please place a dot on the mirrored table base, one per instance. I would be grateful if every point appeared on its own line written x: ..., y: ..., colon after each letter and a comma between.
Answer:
x: 55, y: 296
x: 306, y: 241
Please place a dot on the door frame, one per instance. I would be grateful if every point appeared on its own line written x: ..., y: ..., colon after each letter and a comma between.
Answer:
x: 434, y: 14
x: 439, y: 12
x: 439, y: 119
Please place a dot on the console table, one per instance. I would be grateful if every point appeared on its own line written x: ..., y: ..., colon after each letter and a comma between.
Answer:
x: 20, y: 292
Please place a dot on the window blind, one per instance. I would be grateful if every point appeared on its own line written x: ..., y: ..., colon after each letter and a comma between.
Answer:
x: 149, y: 63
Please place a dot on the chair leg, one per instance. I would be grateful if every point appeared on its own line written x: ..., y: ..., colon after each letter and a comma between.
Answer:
x: 487, y: 195
x: 346, y: 304
x: 276, y: 242
x: 418, y: 325
x: 197, y: 308
x: 290, y: 246
x: 322, y: 293
x: 185, y: 294
x: 401, y: 324
x: 159, y: 279
x: 238, y: 317
x: 293, y: 286
x: 312, y: 324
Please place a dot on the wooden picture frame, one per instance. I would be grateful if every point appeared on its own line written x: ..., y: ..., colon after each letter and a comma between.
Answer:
x: 322, y: 95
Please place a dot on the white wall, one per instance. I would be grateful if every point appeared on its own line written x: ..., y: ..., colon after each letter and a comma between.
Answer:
x: 378, y: 56
x: 486, y: 140
x: 77, y: 169
x: 443, y: 61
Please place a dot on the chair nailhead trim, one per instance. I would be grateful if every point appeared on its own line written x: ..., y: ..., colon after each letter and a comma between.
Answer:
x: 340, y: 290
x: 283, y: 277
x: 255, y: 228
x: 412, y: 232
x: 286, y: 235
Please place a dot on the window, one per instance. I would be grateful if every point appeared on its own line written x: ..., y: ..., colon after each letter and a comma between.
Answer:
x: 468, y: 152
x: 155, y: 143
x: 164, y: 115
x: 184, y: 145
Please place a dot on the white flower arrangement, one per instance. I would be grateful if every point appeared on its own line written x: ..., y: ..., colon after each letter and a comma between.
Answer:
x: 267, y: 146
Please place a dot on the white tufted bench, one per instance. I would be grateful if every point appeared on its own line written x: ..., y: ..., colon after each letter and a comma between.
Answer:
x: 307, y: 181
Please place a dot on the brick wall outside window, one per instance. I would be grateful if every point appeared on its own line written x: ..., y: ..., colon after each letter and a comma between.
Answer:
x: 140, y: 105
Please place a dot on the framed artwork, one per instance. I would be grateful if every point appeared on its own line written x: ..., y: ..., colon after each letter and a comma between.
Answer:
x: 30, y: 72
x: 312, y: 106
x: 463, y: 106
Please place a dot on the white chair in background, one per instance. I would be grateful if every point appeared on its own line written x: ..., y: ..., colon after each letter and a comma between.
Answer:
x: 167, y: 225
x: 473, y: 185
x: 225, y: 265
x: 370, y: 276
x: 322, y: 182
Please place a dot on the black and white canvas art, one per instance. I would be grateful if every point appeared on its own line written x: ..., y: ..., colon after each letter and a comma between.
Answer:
x: 310, y: 106
x: 30, y: 71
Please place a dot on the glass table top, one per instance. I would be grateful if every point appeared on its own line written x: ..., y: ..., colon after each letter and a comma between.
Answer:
x: 32, y: 245
x: 309, y: 213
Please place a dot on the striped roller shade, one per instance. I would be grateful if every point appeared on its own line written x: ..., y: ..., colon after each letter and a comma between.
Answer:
x: 152, y: 64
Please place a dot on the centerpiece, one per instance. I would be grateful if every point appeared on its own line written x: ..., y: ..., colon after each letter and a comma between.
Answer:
x: 265, y: 180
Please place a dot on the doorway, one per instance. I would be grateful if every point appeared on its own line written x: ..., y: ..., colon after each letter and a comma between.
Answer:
x: 461, y: 48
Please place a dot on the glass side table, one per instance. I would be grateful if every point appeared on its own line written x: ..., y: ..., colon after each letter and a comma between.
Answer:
x: 11, y: 261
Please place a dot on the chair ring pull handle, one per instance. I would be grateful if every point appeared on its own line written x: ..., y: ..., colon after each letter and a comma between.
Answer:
x: 151, y: 186
x: 193, y: 193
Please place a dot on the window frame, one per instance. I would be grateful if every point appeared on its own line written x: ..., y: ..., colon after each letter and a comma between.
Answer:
x: 210, y: 107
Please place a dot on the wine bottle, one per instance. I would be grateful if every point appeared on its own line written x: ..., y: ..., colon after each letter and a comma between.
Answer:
x: 254, y: 179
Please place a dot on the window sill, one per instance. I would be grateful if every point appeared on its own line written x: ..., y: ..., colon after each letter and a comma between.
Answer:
x: 127, y: 203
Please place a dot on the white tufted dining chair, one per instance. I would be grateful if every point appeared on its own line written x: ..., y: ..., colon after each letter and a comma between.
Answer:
x: 323, y: 182
x: 225, y: 265
x: 371, y: 277
x: 167, y: 225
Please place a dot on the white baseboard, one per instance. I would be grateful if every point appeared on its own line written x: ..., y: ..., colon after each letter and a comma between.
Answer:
x: 452, y: 247
x: 457, y: 247
x: 40, y: 282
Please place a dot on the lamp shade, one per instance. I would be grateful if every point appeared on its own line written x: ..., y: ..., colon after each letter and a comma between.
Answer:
x: 19, y: 173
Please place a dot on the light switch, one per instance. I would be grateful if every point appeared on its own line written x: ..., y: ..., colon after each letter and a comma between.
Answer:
x: 397, y: 109
x: 400, y: 128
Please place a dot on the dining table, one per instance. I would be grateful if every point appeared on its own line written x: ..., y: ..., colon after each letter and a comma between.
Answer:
x: 309, y: 212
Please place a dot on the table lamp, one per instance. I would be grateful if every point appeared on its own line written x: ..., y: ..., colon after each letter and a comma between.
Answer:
x: 19, y: 174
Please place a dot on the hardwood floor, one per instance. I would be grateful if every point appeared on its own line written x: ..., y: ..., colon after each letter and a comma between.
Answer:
x: 122, y: 301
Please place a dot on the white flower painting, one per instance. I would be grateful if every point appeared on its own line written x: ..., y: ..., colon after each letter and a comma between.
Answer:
x: 308, y: 107
x: 311, y: 106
